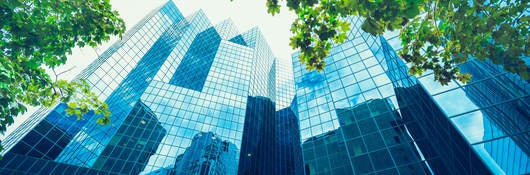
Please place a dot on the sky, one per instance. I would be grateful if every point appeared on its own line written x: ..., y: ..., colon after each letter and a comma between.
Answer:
x: 244, y: 13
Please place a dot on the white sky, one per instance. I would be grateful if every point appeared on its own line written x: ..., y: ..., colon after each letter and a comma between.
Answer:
x: 245, y: 14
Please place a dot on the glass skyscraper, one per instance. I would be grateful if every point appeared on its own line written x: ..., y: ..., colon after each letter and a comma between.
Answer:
x: 365, y: 114
x: 349, y: 116
x: 191, y: 97
x: 187, y: 97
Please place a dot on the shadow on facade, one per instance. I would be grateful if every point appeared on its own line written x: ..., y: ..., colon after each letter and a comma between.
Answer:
x: 271, y: 140
x: 128, y: 152
x: 358, y: 145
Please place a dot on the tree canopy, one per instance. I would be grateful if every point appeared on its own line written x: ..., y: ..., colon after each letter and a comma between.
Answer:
x: 37, y: 35
x: 436, y: 35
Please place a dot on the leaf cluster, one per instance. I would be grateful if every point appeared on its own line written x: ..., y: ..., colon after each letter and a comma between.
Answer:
x: 321, y: 23
x: 39, y: 34
x: 436, y: 35
x: 453, y: 32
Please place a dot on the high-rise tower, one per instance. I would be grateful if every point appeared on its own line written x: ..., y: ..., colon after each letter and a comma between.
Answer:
x: 477, y: 128
x: 187, y: 97
x: 349, y: 116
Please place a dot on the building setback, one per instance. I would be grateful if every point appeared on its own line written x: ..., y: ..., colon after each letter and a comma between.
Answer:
x: 187, y: 97
x: 191, y: 97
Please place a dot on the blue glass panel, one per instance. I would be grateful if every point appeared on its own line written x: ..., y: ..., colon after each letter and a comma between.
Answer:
x: 193, y: 70
x: 239, y: 40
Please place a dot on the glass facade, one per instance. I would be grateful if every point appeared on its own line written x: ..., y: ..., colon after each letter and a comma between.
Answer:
x: 187, y: 97
x: 371, y: 127
x: 135, y: 142
x: 350, y: 120
x: 288, y: 153
x: 198, y: 60
x: 191, y: 97
x: 258, y: 146
x: 366, y: 105
x: 207, y: 155
x: 490, y: 112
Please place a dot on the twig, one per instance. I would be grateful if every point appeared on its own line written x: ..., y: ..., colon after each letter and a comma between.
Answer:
x: 63, y: 72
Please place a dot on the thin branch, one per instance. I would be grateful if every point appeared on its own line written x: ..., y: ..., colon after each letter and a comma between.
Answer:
x: 434, y: 16
x: 56, y: 76
x: 96, y: 50
x: 63, y: 72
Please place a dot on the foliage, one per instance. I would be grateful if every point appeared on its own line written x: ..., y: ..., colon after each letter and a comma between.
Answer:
x: 436, y: 35
x: 38, y: 35
x: 452, y: 32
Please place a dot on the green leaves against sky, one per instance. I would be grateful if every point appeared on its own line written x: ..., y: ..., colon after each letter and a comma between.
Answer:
x: 39, y: 34
x: 436, y: 35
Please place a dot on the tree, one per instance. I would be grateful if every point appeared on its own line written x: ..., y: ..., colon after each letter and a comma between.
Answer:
x: 436, y: 35
x: 37, y: 35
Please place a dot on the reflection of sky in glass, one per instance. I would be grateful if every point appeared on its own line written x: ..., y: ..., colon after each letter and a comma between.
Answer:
x: 487, y: 158
x: 352, y: 76
x: 140, y: 67
x: 495, y: 127
x: 352, y: 79
x: 90, y: 143
x: 434, y: 87
x: 220, y: 108
x: 360, y: 77
x: 503, y: 156
x: 454, y: 102
x: 484, y: 110
x: 284, y: 85
x: 471, y: 126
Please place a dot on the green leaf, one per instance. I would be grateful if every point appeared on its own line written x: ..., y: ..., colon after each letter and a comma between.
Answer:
x: 273, y: 7
x: 40, y: 34
x: 103, y: 121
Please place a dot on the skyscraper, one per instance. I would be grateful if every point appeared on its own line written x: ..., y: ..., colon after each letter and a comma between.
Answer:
x: 187, y: 97
x: 349, y: 116
x: 288, y: 154
x: 475, y: 128
x: 490, y: 112
x: 191, y: 97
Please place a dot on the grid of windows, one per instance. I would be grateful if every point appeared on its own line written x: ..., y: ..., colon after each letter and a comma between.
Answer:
x: 90, y: 142
x: 484, y: 119
x: 239, y: 40
x: 354, y: 77
x: 193, y: 70
x: 226, y: 28
x: 173, y: 113
x: 219, y: 108
x: 136, y: 140
x: 374, y: 141
x: 51, y: 135
x: 490, y: 113
x: 99, y: 71
x: 287, y: 131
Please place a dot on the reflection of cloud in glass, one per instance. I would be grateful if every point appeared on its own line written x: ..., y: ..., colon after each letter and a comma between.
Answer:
x: 471, y: 126
x: 434, y: 87
x: 455, y: 102
x: 505, y: 151
x: 311, y: 79
x: 183, y: 118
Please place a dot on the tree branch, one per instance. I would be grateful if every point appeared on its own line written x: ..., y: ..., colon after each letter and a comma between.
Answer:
x: 64, y: 71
